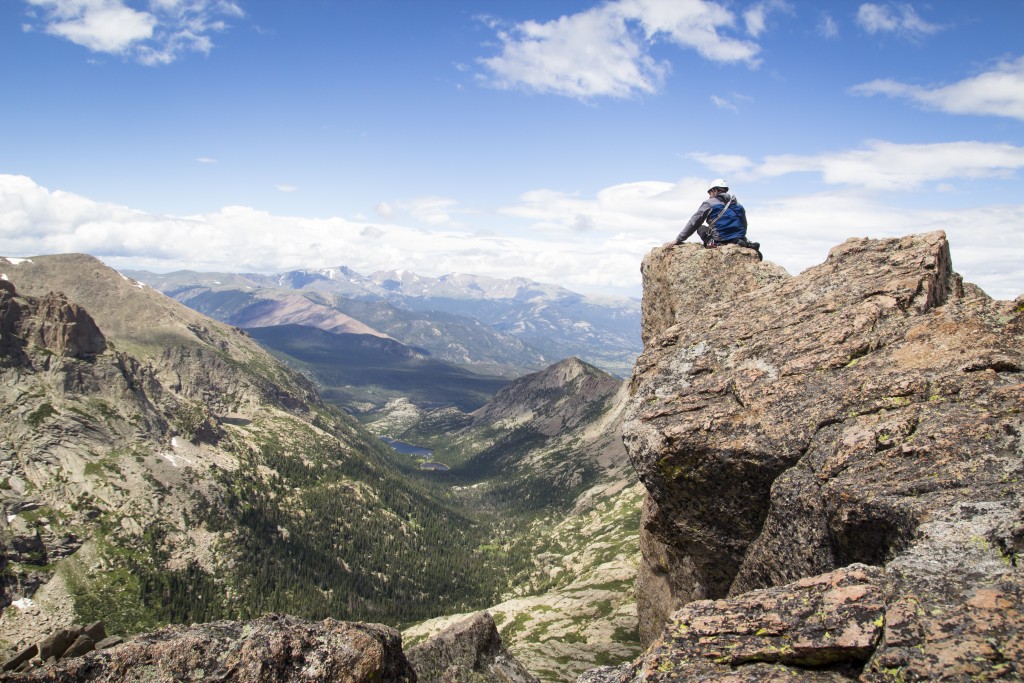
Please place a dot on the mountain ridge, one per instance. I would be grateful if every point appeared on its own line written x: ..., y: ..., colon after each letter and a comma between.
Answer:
x: 530, y: 324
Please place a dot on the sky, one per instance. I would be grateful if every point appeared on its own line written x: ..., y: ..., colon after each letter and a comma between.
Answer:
x: 558, y: 140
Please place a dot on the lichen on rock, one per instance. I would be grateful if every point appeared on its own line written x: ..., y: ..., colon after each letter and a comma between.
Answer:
x: 863, y: 413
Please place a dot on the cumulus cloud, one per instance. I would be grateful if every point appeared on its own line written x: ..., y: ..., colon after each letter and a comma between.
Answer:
x: 899, y: 18
x: 605, y: 51
x: 99, y: 25
x: 159, y: 35
x: 999, y: 92
x: 639, y: 208
x: 36, y: 220
x: 622, y: 224
x: 882, y: 165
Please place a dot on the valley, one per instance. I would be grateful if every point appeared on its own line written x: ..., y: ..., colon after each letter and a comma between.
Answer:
x: 178, y: 457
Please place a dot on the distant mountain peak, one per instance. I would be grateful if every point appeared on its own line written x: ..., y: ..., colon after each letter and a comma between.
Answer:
x: 556, y: 398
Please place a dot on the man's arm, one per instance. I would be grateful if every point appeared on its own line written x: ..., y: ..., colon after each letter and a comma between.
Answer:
x: 696, y: 220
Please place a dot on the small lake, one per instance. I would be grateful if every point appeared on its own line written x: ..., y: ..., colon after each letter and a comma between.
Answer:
x: 407, y: 448
x: 416, y: 452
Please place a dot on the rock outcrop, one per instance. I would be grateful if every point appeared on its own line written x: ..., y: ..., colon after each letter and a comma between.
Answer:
x: 51, y: 323
x: 834, y: 464
x: 272, y: 649
x: 470, y: 650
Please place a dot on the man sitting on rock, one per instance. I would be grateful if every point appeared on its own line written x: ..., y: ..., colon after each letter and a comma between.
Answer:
x: 726, y: 220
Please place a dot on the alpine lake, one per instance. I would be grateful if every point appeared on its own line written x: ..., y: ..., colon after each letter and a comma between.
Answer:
x: 416, y: 452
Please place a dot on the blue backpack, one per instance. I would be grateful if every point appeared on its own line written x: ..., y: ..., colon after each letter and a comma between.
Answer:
x: 727, y: 222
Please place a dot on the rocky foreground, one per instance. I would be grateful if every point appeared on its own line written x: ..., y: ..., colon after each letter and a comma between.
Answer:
x: 282, y: 649
x: 834, y: 466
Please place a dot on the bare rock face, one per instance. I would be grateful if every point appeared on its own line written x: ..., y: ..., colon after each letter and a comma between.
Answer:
x: 866, y: 413
x: 470, y: 650
x: 50, y: 322
x: 680, y: 279
x: 822, y: 628
x: 269, y: 650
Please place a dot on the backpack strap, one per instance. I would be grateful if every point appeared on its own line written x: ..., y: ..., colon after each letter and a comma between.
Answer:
x: 711, y: 224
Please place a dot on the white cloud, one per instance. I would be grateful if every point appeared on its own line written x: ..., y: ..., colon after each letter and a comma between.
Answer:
x: 287, y: 188
x: 723, y: 103
x: 756, y: 17
x: 899, y: 18
x: 999, y: 92
x: 604, y: 51
x: 882, y: 165
x: 724, y: 164
x: 431, y: 210
x: 731, y: 102
x: 583, y: 55
x: 623, y: 222
x: 99, y: 25
x: 647, y: 208
x: 206, y: 160
x: 827, y: 27
x: 159, y: 36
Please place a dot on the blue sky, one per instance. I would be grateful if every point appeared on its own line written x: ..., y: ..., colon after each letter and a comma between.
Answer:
x: 558, y: 140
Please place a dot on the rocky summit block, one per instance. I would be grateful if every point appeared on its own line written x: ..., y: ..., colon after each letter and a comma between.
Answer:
x: 271, y: 649
x: 469, y: 650
x: 50, y: 322
x: 866, y: 413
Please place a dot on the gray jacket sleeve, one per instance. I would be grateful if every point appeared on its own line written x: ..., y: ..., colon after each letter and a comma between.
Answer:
x: 696, y: 220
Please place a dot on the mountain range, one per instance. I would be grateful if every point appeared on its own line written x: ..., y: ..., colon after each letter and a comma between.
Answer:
x: 494, y: 326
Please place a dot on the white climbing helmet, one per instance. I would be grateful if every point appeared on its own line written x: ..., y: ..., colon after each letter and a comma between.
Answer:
x: 719, y: 183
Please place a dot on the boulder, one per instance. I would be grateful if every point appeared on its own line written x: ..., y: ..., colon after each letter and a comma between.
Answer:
x: 96, y: 631
x: 24, y: 655
x: 865, y: 413
x: 469, y: 650
x: 80, y: 646
x: 56, y: 643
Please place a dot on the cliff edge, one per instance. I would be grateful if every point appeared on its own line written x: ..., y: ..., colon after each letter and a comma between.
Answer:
x: 834, y: 467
